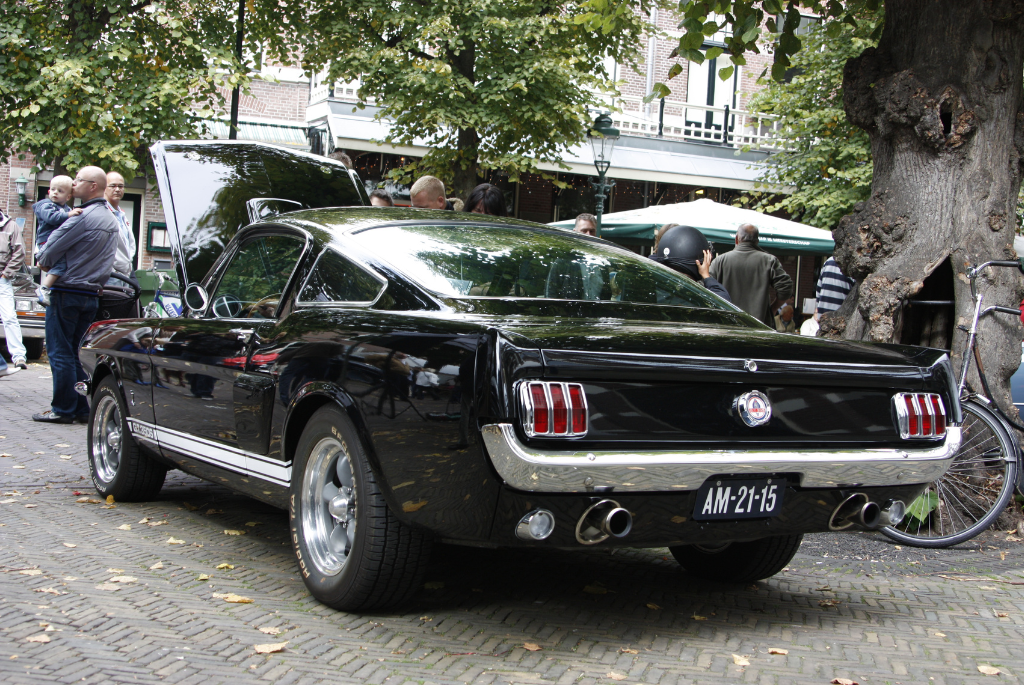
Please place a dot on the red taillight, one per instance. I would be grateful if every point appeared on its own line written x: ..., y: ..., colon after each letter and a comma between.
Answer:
x: 561, y: 411
x: 579, y: 409
x: 540, y: 408
x: 920, y: 415
x: 554, y: 409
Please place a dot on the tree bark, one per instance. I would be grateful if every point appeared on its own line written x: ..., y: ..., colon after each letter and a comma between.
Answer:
x: 467, y: 164
x: 941, y: 99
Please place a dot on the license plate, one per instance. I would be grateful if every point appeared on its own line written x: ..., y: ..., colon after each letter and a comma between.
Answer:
x: 739, y: 499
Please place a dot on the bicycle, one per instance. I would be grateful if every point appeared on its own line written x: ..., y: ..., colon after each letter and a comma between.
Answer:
x: 975, y: 490
x: 166, y: 303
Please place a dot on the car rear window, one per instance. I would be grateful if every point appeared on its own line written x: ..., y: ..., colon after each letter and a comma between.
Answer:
x: 506, y: 261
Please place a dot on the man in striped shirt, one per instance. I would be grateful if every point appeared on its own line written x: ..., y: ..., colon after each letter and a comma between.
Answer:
x: 833, y: 287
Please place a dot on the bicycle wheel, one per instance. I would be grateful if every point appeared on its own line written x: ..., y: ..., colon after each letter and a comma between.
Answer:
x: 971, y: 494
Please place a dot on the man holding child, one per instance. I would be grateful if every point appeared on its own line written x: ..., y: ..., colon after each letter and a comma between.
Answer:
x: 87, y: 243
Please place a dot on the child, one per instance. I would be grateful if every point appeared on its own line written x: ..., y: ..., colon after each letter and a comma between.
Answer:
x: 51, y: 213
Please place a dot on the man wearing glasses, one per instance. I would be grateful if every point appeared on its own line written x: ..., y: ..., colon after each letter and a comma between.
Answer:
x: 126, y: 239
x: 88, y: 242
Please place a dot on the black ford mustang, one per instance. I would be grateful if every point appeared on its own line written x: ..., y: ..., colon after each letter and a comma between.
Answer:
x: 394, y: 377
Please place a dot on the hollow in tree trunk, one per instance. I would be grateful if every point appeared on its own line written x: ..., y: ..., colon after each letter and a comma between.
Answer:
x: 941, y: 99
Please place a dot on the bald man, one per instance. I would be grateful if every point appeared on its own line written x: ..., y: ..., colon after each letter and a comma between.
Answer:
x: 88, y: 242
x: 748, y: 272
x: 125, y: 256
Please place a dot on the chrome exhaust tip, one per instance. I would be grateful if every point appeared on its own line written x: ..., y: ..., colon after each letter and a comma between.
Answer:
x: 893, y: 512
x: 603, y: 520
x: 537, y: 525
x: 856, y: 510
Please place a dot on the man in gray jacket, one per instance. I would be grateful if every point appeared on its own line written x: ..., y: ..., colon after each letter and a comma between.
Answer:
x: 748, y: 271
x: 12, y: 256
x: 89, y: 242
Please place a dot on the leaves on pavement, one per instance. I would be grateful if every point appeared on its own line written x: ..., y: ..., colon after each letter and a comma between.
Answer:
x: 532, y: 647
x: 740, y: 660
x: 174, y: 541
x: 234, y: 532
x: 41, y: 637
x: 989, y: 670
x: 232, y: 598
x: 221, y: 567
x: 271, y: 648
x: 778, y: 650
x: 270, y: 630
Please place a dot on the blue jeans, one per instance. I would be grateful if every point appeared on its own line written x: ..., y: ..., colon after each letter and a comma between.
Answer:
x: 67, y: 319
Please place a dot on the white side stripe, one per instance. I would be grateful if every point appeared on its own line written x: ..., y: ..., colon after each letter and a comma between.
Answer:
x: 230, y: 458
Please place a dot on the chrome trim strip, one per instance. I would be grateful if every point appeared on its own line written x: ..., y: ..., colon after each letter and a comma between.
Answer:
x: 534, y: 470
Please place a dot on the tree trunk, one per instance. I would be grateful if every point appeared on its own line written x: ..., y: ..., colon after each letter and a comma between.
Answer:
x: 467, y: 165
x: 941, y: 99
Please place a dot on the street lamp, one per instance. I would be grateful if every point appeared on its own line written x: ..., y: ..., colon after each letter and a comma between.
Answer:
x: 603, y: 137
x: 21, y: 183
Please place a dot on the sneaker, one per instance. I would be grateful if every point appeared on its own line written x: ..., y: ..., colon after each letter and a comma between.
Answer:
x: 9, y: 371
x: 43, y: 295
x: 49, y: 416
x: 20, y: 362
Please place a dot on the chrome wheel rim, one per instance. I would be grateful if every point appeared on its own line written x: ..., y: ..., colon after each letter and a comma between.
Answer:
x: 106, y: 438
x: 329, y: 506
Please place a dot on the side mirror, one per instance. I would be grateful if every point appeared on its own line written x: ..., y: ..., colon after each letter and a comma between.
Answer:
x: 196, y: 298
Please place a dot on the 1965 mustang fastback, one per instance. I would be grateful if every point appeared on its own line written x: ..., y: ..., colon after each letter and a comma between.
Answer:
x: 395, y: 377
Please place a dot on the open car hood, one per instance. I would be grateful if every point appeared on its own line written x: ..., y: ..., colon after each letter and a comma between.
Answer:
x: 206, y: 188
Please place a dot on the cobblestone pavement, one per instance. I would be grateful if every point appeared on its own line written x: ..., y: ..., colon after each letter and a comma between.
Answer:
x: 91, y: 593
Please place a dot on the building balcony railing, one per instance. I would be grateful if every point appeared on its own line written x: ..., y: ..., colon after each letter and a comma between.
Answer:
x: 696, y: 123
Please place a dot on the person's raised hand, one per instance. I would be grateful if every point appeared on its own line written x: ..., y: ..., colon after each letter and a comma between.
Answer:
x: 704, y: 267
x: 75, y: 212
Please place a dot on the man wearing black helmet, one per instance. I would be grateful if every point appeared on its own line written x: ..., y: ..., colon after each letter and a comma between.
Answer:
x: 686, y: 250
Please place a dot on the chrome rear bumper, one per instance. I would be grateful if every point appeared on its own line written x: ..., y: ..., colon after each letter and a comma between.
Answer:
x: 533, y: 470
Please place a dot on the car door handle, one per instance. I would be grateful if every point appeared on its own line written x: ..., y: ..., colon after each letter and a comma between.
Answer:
x: 244, y: 335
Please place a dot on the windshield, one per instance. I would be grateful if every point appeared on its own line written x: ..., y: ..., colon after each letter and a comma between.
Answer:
x: 506, y: 261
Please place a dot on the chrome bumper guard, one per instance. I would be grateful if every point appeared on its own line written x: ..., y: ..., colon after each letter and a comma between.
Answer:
x: 534, y: 470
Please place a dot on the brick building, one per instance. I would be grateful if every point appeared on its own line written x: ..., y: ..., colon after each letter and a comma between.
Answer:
x: 682, y: 148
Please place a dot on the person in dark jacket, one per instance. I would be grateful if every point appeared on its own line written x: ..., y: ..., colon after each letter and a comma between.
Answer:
x: 88, y: 242
x: 748, y: 272
x: 686, y: 250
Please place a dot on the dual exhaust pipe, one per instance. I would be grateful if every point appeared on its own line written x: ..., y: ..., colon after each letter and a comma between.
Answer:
x: 859, y: 510
x: 599, y: 522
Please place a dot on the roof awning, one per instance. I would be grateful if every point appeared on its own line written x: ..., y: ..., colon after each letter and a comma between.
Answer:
x: 260, y: 132
x: 718, y: 223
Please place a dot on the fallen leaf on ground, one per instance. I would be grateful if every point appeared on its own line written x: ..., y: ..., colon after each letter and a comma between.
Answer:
x: 211, y: 512
x: 270, y: 649
x: 115, y: 570
x: 615, y: 676
x: 989, y: 670
x: 678, y: 519
x: 629, y: 651
x: 145, y: 520
x: 234, y: 532
x: 62, y: 445
x: 65, y: 456
x: 174, y: 541
x: 30, y: 572
x: 157, y: 523
x: 30, y: 506
x: 740, y: 660
x: 88, y: 500
x: 70, y: 578
x: 108, y: 586
x: 124, y: 527
x: 190, y: 507
x: 39, y: 453
x: 939, y: 634
x: 824, y: 588
x: 203, y: 576
x: 595, y: 589
x: 18, y: 466
x: 48, y: 590
x: 778, y: 650
x: 232, y: 598
x: 987, y: 587
x: 270, y: 630
x: 68, y: 544
x: 1002, y: 614
x: 652, y: 605
x: 828, y: 603
x: 123, y: 579
x: 9, y: 501
x: 254, y: 523
x: 531, y: 647
x: 695, y: 617
x: 843, y: 681
x: 225, y: 566
x: 434, y: 585
x: 426, y: 618
x: 41, y: 637
x: 110, y: 499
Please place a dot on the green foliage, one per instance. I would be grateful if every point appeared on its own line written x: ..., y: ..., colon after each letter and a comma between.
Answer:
x: 96, y: 81
x: 487, y: 84
x: 923, y: 506
x: 826, y: 160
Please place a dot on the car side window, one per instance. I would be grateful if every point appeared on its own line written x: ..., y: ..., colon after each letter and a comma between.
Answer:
x: 254, y: 281
x: 337, y: 279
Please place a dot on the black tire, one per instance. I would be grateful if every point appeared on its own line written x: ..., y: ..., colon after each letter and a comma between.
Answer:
x: 738, y: 562
x: 33, y: 347
x: 381, y: 562
x: 971, y: 495
x: 119, y: 467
